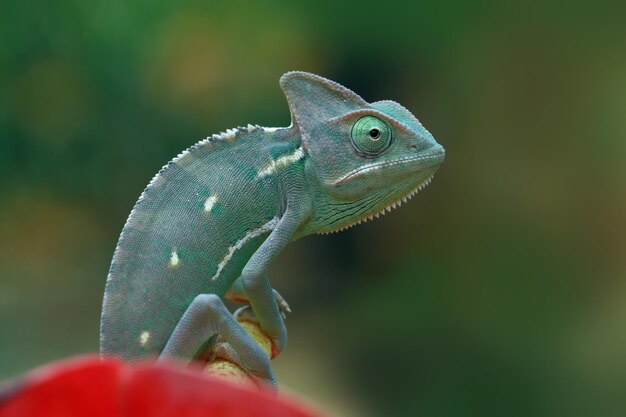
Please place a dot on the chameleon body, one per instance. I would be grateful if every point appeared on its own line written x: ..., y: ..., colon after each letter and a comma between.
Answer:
x: 210, y: 222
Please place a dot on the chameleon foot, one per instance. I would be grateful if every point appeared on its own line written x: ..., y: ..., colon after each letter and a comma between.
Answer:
x: 206, y: 317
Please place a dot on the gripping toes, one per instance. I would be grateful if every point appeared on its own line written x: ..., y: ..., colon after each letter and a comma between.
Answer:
x: 207, y: 317
x: 246, y: 313
x: 237, y: 294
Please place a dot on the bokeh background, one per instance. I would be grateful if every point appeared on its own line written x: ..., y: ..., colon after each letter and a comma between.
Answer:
x: 499, y: 290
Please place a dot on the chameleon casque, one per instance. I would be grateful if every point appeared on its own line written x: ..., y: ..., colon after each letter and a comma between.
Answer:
x: 210, y: 222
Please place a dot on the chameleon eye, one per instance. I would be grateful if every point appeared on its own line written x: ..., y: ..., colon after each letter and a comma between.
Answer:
x: 370, y: 136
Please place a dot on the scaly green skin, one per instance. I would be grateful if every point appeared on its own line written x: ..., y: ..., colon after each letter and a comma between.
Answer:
x: 224, y: 208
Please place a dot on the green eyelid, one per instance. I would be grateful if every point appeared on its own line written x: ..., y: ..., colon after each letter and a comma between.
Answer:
x: 371, y: 136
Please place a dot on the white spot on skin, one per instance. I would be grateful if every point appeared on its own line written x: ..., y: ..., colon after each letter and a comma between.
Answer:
x: 209, y: 203
x: 144, y: 337
x: 267, y: 227
x: 174, y: 259
x: 281, y: 162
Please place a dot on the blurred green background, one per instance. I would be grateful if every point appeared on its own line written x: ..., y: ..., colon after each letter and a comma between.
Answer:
x: 500, y: 290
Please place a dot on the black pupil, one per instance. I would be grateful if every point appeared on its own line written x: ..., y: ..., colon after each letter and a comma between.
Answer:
x: 374, y: 133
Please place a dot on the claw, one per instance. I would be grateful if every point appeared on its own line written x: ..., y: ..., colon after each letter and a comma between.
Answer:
x: 245, y: 313
x: 283, y: 306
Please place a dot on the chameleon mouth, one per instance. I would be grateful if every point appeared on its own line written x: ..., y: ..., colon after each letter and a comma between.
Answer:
x: 386, y: 209
x: 378, y: 165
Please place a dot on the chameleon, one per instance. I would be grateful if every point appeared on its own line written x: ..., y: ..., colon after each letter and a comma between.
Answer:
x: 210, y: 222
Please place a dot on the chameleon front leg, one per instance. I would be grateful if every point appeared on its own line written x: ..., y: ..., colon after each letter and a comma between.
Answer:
x: 206, y: 317
x: 254, y: 275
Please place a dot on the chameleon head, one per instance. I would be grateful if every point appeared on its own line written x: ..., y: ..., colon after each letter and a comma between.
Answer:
x: 365, y: 157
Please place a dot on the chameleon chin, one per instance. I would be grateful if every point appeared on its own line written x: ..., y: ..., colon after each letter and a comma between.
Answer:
x: 210, y: 222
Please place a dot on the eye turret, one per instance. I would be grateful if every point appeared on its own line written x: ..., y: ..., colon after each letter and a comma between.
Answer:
x: 371, y: 136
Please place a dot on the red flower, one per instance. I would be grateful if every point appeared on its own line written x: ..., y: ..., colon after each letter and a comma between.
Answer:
x: 91, y: 387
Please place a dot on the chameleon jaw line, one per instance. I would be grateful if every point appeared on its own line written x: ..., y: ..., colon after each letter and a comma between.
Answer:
x: 378, y: 165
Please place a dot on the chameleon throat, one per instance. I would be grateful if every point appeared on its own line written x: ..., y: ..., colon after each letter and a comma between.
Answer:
x: 387, y: 209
